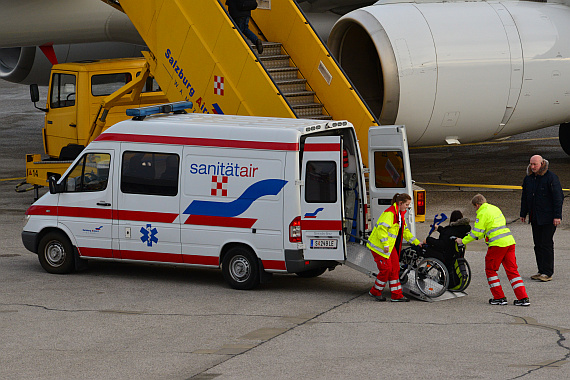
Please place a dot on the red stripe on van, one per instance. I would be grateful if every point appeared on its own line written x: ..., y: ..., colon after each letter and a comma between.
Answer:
x: 220, y: 221
x: 151, y: 256
x: 145, y: 216
x: 321, y: 225
x: 274, y: 264
x: 322, y: 147
x: 127, y: 137
x: 95, y: 252
x: 42, y: 210
x: 201, y: 260
x: 85, y: 212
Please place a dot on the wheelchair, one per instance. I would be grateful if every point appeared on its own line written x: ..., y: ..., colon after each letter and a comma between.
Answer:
x: 435, y: 271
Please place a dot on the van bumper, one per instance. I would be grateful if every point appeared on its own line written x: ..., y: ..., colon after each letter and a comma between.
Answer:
x: 296, y: 263
x: 30, y: 240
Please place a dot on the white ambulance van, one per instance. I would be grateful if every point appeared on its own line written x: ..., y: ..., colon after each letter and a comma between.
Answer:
x: 252, y: 195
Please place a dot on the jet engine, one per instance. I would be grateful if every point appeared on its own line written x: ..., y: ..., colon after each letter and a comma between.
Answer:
x: 459, y: 72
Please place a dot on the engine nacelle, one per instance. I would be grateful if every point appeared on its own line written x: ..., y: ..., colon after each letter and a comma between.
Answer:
x: 466, y: 72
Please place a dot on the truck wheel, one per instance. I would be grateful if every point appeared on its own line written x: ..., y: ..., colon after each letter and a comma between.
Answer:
x: 316, y: 272
x: 55, y: 253
x: 240, y: 269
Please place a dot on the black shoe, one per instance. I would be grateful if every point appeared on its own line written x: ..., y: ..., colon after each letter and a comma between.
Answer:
x: 403, y: 299
x: 259, y: 46
x: 522, y: 302
x: 498, y: 301
x: 379, y: 298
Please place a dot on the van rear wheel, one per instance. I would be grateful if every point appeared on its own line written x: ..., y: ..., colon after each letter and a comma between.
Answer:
x: 240, y: 269
x: 55, y: 253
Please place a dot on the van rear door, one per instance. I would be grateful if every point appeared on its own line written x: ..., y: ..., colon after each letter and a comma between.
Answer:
x: 321, y: 198
x: 390, y: 172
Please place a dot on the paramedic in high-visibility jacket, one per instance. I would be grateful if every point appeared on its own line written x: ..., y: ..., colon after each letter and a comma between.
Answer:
x: 385, y: 242
x: 491, y: 226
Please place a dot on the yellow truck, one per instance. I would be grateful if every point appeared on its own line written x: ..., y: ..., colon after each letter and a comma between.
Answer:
x: 83, y: 99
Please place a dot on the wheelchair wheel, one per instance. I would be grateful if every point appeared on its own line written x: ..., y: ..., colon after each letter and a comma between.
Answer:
x: 462, y: 266
x: 432, y: 277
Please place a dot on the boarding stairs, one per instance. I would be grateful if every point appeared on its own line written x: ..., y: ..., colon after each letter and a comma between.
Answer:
x: 198, y: 54
x: 289, y: 81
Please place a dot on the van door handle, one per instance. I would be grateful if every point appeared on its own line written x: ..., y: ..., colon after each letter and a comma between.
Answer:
x: 103, y: 203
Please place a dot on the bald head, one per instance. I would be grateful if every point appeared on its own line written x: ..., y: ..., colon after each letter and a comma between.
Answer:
x: 535, y: 163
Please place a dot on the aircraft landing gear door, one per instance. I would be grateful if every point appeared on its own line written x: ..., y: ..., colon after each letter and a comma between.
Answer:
x: 321, y: 199
x: 390, y: 173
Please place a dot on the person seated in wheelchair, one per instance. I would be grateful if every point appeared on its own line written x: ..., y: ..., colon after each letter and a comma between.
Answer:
x: 444, y: 247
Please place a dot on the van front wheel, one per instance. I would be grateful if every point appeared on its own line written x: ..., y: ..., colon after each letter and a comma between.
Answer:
x: 240, y: 269
x: 55, y: 253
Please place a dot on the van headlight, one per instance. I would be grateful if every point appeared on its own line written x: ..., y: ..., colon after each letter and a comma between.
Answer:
x: 26, y: 219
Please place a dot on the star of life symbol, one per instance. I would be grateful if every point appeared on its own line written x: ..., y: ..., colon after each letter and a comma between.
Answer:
x: 149, y: 235
x: 219, y: 186
x: 218, y: 85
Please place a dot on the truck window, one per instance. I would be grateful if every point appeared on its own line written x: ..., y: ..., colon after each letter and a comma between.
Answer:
x: 320, y: 182
x: 389, y: 169
x: 91, y: 173
x: 150, y: 173
x: 62, y: 92
x: 106, y: 84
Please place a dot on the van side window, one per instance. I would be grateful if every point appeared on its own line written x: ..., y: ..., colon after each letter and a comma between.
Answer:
x: 150, y: 173
x: 91, y: 173
x: 62, y: 91
x: 106, y: 84
x: 389, y: 170
x: 320, y: 182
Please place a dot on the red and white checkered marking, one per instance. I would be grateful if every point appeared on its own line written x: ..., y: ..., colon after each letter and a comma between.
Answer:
x: 218, y: 85
x: 219, y: 186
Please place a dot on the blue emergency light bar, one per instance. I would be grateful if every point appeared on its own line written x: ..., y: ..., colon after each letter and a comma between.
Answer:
x: 142, y: 112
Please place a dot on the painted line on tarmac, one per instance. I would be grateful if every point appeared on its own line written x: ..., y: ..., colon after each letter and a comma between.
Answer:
x: 12, y: 179
x: 507, y: 187
x: 483, y: 143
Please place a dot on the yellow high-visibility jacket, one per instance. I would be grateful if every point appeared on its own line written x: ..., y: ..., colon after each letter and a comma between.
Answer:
x: 386, y: 232
x: 491, y: 225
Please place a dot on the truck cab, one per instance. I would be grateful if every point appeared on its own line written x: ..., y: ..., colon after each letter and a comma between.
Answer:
x: 75, y: 94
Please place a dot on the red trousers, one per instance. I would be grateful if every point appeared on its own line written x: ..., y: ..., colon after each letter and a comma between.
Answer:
x: 388, y: 272
x: 493, y: 260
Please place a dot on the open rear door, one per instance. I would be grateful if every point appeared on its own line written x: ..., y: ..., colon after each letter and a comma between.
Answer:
x: 321, y: 198
x: 390, y: 172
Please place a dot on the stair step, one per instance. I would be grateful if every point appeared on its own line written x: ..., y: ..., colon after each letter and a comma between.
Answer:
x: 283, y: 73
x: 275, y: 61
x: 300, y: 97
x: 305, y: 110
x: 293, y: 85
x: 270, y: 48
x: 318, y: 117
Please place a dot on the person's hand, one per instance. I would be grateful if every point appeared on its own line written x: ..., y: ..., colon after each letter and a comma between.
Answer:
x: 423, y: 242
x: 386, y: 249
x: 523, y: 219
x: 557, y: 221
x: 459, y: 241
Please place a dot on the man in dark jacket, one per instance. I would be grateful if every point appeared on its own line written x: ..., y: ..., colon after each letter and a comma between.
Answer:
x: 241, y: 18
x: 541, y: 200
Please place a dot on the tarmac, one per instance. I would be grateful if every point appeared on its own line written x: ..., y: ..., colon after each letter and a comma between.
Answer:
x: 119, y: 321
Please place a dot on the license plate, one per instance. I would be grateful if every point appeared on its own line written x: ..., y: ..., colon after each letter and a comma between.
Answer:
x: 324, y: 243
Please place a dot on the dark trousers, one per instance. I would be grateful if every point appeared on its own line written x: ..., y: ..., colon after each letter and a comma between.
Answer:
x: 544, y: 247
x: 242, y: 24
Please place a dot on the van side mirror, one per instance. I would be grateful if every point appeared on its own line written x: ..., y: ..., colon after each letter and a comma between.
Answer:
x: 54, y: 188
x: 35, y: 95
